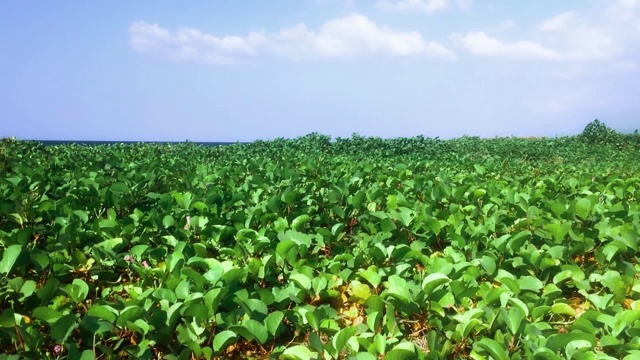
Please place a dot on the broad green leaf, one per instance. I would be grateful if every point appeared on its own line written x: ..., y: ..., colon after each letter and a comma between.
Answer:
x: 363, y: 356
x: 9, y: 257
x: 27, y: 288
x: 82, y: 215
x: 287, y: 250
x: 517, y: 303
x: 103, y: 312
x: 273, y: 322
x: 298, y: 352
x: 223, y: 339
x: 371, y: 275
x: 165, y: 294
x: 340, y: 339
x: 491, y: 348
x: 398, y: 287
x: 47, y: 314
x: 87, y: 355
x: 110, y: 244
x: 575, y: 347
x: 432, y: 281
x: 301, y: 280
x: 583, y: 208
x: 513, y: 318
x: 530, y: 283
x: 130, y: 313
x: 258, y: 330
x: 62, y: 328
x: 78, y: 290
x: 401, y: 354
x: 563, y: 309
x: 196, y: 310
x: 40, y: 259
x: 251, y: 330
x: 168, y: 221
x: 360, y: 292
x: 119, y: 188
x: 299, y: 222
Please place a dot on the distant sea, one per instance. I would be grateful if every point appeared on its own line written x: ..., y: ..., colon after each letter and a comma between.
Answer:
x: 81, y: 142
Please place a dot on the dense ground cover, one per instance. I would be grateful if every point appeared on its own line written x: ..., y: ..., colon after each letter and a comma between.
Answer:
x: 309, y: 248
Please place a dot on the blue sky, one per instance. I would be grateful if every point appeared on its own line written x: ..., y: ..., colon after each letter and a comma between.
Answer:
x: 245, y: 70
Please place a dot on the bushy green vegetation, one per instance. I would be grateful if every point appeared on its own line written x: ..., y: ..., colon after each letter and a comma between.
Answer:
x: 361, y: 248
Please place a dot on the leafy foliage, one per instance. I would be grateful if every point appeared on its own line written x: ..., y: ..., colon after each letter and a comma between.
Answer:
x: 597, y: 132
x: 311, y: 248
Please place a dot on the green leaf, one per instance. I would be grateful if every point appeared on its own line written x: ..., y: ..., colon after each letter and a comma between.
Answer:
x: 299, y: 222
x: 40, y: 259
x: 576, y: 346
x: 359, y: 291
x: 371, y: 275
x: 258, y: 330
x: 103, y: 312
x: 46, y: 314
x: 78, y: 290
x: 63, y: 327
x: 9, y: 257
x: 165, y: 294
x: 398, y: 288
x: 401, y: 354
x: 119, y: 188
x: 432, y: 281
x: 583, y: 208
x: 109, y: 244
x: 563, y: 309
x: 27, y: 288
x: 251, y: 330
x: 298, y: 352
x: 492, y: 348
x: 168, y: 221
x: 82, y: 215
x: 314, y: 341
x: 223, y: 339
x: 363, y: 356
x: 287, y: 250
x: 273, y: 322
x: 196, y: 310
x: 340, y: 339
x: 87, y: 355
x: 434, y: 225
x: 301, y: 280
x: 404, y: 215
x: 629, y: 236
x: 530, y: 283
x: 513, y: 318
x: 7, y: 318
x: 130, y: 313
x: 517, y: 303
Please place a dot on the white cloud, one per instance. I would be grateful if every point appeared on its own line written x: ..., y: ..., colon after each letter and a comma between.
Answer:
x: 479, y: 43
x: 579, y: 38
x: 605, y: 33
x: 427, y: 6
x: 559, y: 22
x: 189, y: 44
x: 350, y: 37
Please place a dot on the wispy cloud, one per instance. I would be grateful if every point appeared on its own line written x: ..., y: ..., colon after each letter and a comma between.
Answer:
x: 479, y: 43
x: 606, y: 33
x: 353, y: 36
x: 426, y: 6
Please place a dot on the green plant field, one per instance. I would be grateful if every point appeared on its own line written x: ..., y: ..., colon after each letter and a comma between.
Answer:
x: 358, y: 248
